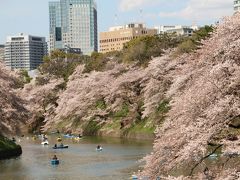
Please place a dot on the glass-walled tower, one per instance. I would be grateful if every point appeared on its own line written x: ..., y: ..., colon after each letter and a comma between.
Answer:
x: 73, y: 23
x: 55, y: 26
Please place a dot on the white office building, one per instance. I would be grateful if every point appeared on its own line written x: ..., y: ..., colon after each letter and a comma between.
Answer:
x: 24, y: 51
x: 178, y: 29
x: 236, y: 5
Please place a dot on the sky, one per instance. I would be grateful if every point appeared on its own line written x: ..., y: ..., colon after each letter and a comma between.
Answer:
x: 31, y: 16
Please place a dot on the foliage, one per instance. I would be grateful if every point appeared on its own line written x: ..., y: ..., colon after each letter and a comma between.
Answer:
x: 25, y: 76
x: 192, y: 43
x: 142, y: 49
x: 91, y: 128
x: 41, y: 99
x: 186, y: 46
x: 139, y: 111
x: 123, y: 112
x: 140, y: 127
x: 202, y: 89
x: 50, y: 98
x: 202, y: 33
x: 101, y: 104
x: 42, y: 80
x: 61, y: 86
x: 6, y: 144
x: 37, y: 124
x: 61, y: 64
x: 13, y: 113
x: 97, y: 62
x: 160, y: 114
x: 163, y: 107
x: 8, y: 148
x: 204, y: 98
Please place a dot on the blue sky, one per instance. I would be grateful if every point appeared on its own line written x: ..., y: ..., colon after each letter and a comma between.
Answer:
x: 31, y: 16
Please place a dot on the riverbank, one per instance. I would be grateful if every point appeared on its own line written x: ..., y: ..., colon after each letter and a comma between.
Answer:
x: 130, y: 134
x: 134, y: 132
x: 9, y: 149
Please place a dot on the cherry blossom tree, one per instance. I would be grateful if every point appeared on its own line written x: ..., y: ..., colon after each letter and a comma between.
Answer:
x: 13, y: 114
x: 204, y: 98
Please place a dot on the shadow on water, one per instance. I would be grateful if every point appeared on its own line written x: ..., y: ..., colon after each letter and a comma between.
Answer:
x: 118, y: 159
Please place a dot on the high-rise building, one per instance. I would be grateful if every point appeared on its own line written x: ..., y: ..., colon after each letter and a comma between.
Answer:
x: 114, y: 39
x: 24, y: 51
x: 236, y: 5
x: 73, y: 23
x: 1, y: 52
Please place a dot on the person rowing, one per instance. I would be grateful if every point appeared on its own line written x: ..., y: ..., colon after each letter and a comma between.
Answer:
x: 99, y: 148
x: 54, y: 160
x: 54, y: 157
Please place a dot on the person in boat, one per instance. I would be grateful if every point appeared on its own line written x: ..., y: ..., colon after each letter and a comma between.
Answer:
x: 59, y: 138
x: 80, y: 136
x: 61, y: 145
x: 99, y: 147
x: 45, y: 137
x: 54, y: 157
x: 13, y: 139
x: 55, y: 145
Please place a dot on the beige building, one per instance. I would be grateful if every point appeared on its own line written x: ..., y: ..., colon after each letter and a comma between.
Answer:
x: 114, y: 39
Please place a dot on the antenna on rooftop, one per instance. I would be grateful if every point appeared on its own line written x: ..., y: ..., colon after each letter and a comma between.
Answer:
x: 116, y: 19
x: 141, y: 15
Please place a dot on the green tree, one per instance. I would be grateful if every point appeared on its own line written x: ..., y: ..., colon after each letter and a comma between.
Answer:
x: 192, y: 43
x: 142, y: 49
x: 25, y: 76
x: 61, y: 64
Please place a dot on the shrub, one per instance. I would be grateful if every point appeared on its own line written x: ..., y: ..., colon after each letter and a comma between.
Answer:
x: 142, y: 49
x: 97, y: 62
x: 123, y: 112
x: 101, y: 104
x: 192, y: 43
x: 25, y: 76
x: 61, y: 64
x: 92, y: 128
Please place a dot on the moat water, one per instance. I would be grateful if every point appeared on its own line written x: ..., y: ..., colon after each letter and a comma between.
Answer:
x: 118, y: 160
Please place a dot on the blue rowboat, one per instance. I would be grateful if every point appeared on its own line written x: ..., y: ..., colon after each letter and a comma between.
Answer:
x: 68, y: 136
x: 54, y: 161
x: 134, y: 177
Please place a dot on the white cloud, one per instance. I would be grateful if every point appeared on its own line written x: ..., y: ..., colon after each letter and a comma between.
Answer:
x: 126, y: 5
x: 203, y: 10
x: 195, y: 10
